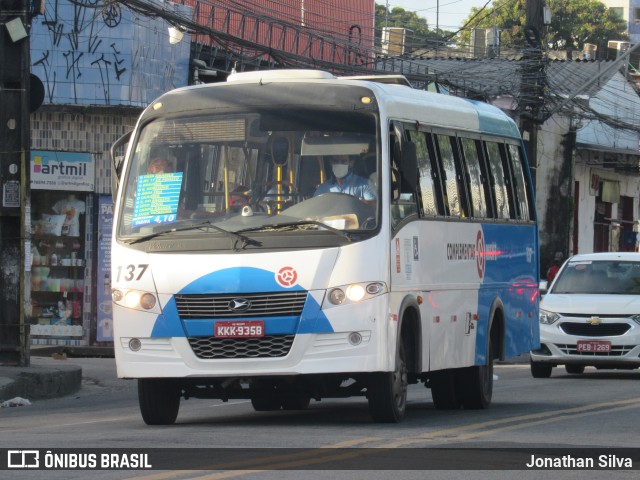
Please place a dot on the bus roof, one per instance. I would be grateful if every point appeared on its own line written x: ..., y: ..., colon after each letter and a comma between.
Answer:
x: 395, y: 97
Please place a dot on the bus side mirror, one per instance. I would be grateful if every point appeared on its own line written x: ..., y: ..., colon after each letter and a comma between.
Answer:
x: 116, y: 162
x: 409, y: 167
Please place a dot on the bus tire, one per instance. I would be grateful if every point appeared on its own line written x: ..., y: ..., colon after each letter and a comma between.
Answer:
x: 295, y: 403
x: 443, y: 390
x: 475, y: 384
x: 541, y: 370
x: 387, y: 392
x: 159, y: 401
x: 264, y: 404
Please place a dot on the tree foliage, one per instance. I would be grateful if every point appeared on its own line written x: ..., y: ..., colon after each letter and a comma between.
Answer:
x: 573, y: 23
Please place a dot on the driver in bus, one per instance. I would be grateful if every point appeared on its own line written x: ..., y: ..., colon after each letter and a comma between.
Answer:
x: 345, y: 180
x: 159, y: 165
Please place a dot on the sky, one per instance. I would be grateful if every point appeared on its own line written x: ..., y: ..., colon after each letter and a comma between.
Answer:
x: 450, y: 14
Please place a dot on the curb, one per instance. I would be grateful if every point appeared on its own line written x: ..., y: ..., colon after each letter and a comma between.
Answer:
x: 71, y: 352
x: 37, y: 382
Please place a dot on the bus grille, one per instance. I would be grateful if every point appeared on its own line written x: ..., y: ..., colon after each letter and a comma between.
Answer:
x: 195, y: 306
x: 269, y: 346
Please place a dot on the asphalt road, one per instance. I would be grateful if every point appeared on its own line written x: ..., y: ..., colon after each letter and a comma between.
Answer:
x: 599, y: 410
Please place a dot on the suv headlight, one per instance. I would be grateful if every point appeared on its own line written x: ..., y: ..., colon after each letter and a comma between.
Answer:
x: 547, y: 318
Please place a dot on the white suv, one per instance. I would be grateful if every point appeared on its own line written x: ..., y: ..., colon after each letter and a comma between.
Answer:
x: 590, y: 315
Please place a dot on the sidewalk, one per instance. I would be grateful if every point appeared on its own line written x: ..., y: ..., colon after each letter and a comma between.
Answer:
x: 50, y: 374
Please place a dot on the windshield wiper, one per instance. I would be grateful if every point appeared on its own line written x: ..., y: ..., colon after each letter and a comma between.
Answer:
x: 296, y: 225
x: 202, y: 226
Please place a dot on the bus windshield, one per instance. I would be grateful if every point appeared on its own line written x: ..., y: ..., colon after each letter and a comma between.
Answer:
x: 312, y: 171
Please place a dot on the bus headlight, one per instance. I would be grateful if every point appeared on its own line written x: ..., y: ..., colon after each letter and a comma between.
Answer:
x: 353, y: 293
x: 135, y: 299
x: 336, y: 296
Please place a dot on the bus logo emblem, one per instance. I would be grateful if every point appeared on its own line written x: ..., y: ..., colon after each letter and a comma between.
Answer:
x: 287, y: 277
x: 239, y: 305
x: 480, y: 254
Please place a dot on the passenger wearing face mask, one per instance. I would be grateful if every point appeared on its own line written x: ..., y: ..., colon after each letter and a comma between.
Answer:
x: 344, y: 180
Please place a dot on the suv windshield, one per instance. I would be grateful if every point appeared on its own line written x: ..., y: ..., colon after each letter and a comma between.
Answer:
x: 599, y: 277
x: 253, y: 172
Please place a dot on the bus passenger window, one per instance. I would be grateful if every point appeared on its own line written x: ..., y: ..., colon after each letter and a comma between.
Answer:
x: 500, y: 190
x: 452, y: 177
x: 428, y: 192
x: 480, y: 198
x: 520, y: 184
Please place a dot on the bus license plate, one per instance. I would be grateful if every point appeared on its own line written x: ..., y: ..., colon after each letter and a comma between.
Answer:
x: 594, y: 346
x: 252, y: 328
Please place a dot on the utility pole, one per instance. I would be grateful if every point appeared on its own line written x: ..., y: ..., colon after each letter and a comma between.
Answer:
x: 533, y: 80
x: 15, y: 21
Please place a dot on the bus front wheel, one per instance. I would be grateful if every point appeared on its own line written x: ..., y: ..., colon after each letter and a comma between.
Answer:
x: 159, y: 401
x: 387, y: 392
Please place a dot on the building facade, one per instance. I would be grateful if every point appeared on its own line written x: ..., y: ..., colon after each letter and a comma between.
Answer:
x: 98, y: 69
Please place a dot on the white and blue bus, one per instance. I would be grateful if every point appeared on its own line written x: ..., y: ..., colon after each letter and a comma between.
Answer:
x: 309, y: 236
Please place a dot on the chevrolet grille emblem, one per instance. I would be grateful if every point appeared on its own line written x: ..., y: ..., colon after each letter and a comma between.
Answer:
x: 594, y: 320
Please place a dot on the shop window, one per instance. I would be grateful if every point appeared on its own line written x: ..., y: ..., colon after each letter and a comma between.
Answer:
x: 58, y: 263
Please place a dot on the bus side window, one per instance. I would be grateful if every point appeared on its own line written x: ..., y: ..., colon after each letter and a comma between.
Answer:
x: 520, y: 184
x: 478, y: 185
x: 403, y: 200
x: 452, y: 176
x: 429, y: 199
x: 509, y: 182
x: 497, y: 179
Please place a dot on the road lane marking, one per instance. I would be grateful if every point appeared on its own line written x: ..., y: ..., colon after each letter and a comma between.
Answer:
x: 286, y: 460
x: 453, y: 434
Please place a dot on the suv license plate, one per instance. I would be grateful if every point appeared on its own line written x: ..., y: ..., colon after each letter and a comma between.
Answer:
x: 251, y: 328
x: 594, y: 346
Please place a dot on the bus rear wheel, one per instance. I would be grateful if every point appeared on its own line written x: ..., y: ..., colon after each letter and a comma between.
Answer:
x: 444, y: 390
x: 475, y: 384
x: 387, y: 392
x: 159, y: 400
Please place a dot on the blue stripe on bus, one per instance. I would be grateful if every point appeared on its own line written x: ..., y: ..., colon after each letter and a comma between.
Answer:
x: 237, y: 280
x: 508, y: 279
x: 240, y: 280
x: 168, y: 324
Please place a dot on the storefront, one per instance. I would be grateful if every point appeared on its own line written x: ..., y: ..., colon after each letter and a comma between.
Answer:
x: 61, y: 250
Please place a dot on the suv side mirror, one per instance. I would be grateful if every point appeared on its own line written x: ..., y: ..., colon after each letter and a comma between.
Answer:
x: 543, y: 287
